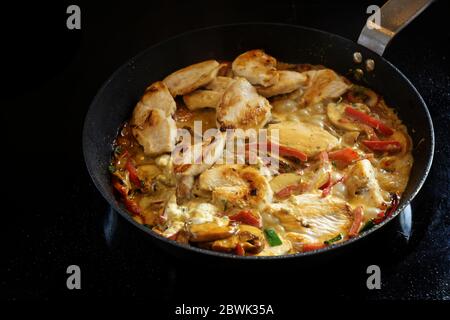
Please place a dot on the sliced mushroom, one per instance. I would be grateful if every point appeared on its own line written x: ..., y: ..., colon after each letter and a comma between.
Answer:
x: 336, y: 114
x: 284, y: 180
x: 211, y: 231
x: 250, y: 238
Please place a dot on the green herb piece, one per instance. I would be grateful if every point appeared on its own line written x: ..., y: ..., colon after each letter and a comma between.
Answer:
x: 332, y: 240
x: 272, y: 238
x: 118, y: 150
x: 369, y: 225
x: 112, y: 168
x: 225, y: 205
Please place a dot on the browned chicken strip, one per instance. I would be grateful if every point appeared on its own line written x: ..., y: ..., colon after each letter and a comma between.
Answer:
x: 288, y: 82
x: 242, y: 107
x: 190, y: 78
x: 257, y: 67
x: 322, y: 84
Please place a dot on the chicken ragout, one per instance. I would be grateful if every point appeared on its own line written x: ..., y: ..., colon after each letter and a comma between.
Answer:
x: 343, y: 158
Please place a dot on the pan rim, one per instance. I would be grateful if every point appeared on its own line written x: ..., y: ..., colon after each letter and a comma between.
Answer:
x: 119, y: 208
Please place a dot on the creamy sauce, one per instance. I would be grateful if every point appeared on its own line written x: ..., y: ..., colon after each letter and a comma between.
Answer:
x: 353, y: 163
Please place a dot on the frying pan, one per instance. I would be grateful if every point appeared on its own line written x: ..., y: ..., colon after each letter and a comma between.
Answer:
x: 116, y: 99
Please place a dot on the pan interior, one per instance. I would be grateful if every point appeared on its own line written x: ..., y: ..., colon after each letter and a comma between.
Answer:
x: 117, y: 98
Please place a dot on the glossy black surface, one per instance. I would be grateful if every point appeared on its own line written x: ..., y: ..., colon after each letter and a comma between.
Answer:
x: 63, y: 220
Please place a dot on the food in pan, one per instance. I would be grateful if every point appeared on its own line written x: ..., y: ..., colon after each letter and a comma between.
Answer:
x: 332, y: 162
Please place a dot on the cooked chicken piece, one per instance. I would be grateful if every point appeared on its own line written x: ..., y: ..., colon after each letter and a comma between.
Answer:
x: 151, y: 120
x: 242, y: 107
x: 239, y: 186
x: 156, y: 96
x: 157, y: 134
x: 185, y: 168
x: 184, y: 188
x: 200, y: 99
x: 362, y: 185
x: 394, y: 175
x: 219, y: 84
x: 210, y: 152
x: 210, y: 231
x: 307, y: 138
x: 190, y: 78
x: 257, y: 67
x: 323, y: 84
x: 201, y: 211
x: 209, y: 98
x: 313, y: 217
x: 288, y: 82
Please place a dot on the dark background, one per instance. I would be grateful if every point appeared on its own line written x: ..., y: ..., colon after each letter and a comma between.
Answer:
x: 54, y: 217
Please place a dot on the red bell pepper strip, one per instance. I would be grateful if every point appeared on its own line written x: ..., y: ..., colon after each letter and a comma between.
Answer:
x: 326, y: 190
x: 287, y: 191
x: 239, y: 250
x: 357, y: 220
x: 363, y: 95
x: 327, y: 184
x: 287, y: 151
x: 130, y: 204
x: 282, y: 150
x: 133, y: 174
x: 246, y: 217
x: 383, y: 145
x: 346, y: 155
x: 312, y: 246
x: 395, y: 200
x: 124, y: 154
x: 173, y: 237
x: 380, y: 217
x: 371, y: 134
x: 323, y: 157
x: 370, y: 121
x: 120, y: 188
x: 291, y: 152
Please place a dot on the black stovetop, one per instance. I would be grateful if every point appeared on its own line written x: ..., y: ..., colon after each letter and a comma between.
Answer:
x: 55, y: 217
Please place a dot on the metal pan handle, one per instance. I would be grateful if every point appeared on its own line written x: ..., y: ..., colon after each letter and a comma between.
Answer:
x: 395, y: 15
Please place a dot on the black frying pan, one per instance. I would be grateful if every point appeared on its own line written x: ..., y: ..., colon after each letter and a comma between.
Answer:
x: 118, y: 96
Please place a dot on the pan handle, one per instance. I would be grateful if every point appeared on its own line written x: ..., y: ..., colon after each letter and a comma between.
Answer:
x: 395, y: 15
